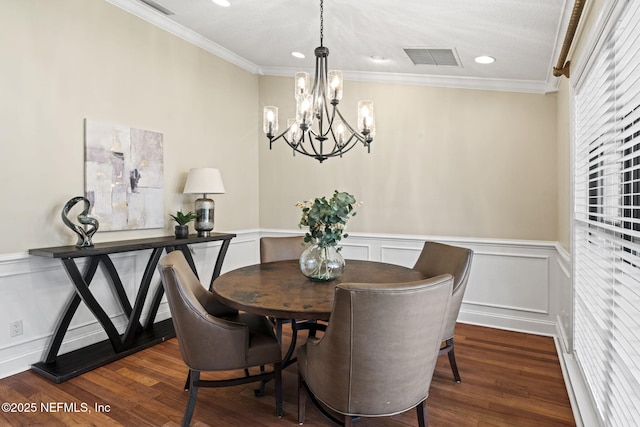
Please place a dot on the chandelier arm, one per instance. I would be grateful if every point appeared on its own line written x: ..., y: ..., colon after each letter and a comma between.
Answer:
x: 352, y: 130
x: 331, y: 130
x: 319, y: 139
x: 352, y: 138
x: 330, y: 116
x: 348, y: 146
x: 339, y: 149
x: 273, y: 139
x: 296, y: 146
x: 301, y: 148
x: 291, y: 143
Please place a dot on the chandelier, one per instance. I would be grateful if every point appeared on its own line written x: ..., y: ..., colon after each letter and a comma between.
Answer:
x: 319, y: 129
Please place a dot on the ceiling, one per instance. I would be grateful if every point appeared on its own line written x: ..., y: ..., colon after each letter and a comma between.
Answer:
x: 525, y: 37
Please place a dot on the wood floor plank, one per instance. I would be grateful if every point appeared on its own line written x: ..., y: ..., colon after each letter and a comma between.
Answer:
x: 509, y: 379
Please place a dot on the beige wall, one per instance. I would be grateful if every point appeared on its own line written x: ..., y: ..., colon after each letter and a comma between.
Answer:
x: 66, y: 60
x: 448, y: 162
x: 445, y: 161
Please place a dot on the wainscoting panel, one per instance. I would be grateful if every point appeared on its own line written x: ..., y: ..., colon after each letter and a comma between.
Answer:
x: 564, y: 297
x: 516, y: 285
x: 406, y: 256
x: 351, y: 251
x: 516, y: 282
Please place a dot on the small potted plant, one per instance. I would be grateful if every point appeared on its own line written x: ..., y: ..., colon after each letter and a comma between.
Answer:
x: 183, y: 219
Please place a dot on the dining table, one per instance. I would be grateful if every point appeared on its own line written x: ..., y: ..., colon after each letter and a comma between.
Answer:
x: 281, y: 292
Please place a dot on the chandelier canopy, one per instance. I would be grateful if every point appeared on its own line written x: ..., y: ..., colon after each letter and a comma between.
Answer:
x: 319, y: 130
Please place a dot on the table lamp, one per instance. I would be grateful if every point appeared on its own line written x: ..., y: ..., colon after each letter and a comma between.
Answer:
x: 204, y: 181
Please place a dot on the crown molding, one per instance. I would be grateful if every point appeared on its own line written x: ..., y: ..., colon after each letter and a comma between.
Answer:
x: 527, y: 86
x: 154, y: 17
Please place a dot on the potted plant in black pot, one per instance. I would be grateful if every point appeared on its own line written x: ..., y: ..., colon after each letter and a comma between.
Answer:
x: 183, y: 219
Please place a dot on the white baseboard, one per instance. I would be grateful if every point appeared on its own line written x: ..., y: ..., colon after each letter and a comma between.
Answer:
x: 584, y: 409
x: 509, y: 323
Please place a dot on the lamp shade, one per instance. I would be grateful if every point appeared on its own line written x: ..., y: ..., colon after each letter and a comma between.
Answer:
x: 204, y: 181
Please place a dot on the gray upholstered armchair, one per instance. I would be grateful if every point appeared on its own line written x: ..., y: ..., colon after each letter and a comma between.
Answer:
x: 281, y: 248
x: 436, y: 259
x: 213, y: 337
x: 379, y: 351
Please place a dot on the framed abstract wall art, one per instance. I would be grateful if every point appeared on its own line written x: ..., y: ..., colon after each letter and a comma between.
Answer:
x: 124, y: 176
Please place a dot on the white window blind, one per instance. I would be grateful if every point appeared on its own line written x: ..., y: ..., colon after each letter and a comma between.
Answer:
x: 607, y: 223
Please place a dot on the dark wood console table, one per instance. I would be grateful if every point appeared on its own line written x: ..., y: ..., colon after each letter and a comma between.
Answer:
x: 136, y: 337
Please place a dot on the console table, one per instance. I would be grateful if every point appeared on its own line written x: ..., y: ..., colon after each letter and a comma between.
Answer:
x: 136, y: 337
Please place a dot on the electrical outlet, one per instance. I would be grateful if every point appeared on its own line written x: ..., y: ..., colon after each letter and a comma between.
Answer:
x: 15, y: 328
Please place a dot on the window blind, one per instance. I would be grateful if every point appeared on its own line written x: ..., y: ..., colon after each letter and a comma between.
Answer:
x: 606, y: 225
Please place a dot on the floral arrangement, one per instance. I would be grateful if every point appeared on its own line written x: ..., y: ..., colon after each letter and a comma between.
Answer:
x: 327, y: 218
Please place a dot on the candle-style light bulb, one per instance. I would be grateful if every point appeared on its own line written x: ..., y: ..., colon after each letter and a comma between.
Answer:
x: 303, y: 112
x: 270, y: 120
x: 335, y: 85
x: 366, y: 118
x: 294, y: 134
x: 302, y: 83
x: 340, y: 134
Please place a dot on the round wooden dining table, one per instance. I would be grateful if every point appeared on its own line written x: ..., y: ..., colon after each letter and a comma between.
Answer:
x: 280, y: 291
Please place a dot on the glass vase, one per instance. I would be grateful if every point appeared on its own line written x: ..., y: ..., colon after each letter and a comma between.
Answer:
x: 322, y: 264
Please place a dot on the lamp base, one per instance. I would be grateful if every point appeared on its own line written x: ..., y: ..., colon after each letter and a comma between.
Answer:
x: 205, y: 212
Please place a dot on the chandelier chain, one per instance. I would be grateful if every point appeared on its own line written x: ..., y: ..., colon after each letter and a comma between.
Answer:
x: 321, y: 22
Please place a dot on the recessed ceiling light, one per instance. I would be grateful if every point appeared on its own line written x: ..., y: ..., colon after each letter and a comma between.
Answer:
x: 377, y: 58
x: 298, y: 54
x: 223, y: 3
x: 484, y: 59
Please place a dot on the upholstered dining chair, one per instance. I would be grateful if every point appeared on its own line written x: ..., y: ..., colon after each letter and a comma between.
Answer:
x: 281, y: 248
x: 213, y: 337
x: 284, y: 249
x: 439, y: 258
x: 378, y: 353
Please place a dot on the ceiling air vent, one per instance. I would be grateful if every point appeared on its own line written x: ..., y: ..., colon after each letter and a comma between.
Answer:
x: 157, y: 7
x: 424, y: 56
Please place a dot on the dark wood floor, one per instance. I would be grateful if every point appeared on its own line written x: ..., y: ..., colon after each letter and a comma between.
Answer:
x: 508, y: 379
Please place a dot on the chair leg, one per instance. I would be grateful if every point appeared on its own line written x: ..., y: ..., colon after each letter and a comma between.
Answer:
x: 348, y: 421
x: 260, y: 391
x: 423, y: 415
x: 277, y: 367
x: 194, y: 376
x: 312, y: 327
x: 301, y: 400
x: 452, y: 361
x: 188, y: 381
